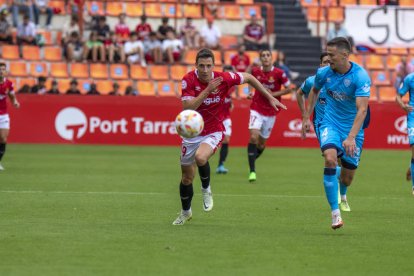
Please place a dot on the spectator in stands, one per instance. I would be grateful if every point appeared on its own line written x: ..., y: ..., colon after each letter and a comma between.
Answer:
x: 94, y: 47
x: 54, y: 89
x: 130, y: 91
x: 5, y: 28
x: 102, y: 29
x: 40, y: 87
x: 76, y: 48
x: 93, y: 90
x: 73, y: 89
x: 23, y: 6
x: 153, y: 49
x: 115, y: 91
x: 389, y: 2
x: 403, y: 68
x: 69, y: 27
x: 190, y: 34
x: 163, y: 29
x: 241, y: 61
x: 121, y: 29
x: 212, y: 7
x: 134, y: 50
x: 211, y: 35
x: 24, y: 89
x: 340, y: 31
x: 26, y: 32
x: 143, y: 29
x: 173, y: 48
x: 281, y: 63
x: 254, y: 36
x: 115, y: 49
x: 41, y: 6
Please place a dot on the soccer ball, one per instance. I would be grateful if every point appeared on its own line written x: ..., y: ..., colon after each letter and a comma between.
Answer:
x: 189, y: 123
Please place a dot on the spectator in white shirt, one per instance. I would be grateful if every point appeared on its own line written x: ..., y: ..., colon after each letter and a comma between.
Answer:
x: 134, y: 50
x: 41, y: 6
x: 26, y: 32
x: 153, y: 48
x: 211, y: 35
x: 173, y: 47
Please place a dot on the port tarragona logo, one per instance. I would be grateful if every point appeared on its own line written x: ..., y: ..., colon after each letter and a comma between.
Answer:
x: 71, y: 123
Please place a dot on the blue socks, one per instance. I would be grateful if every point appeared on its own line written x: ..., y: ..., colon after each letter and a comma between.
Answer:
x: 330, y: 182
x: 412, y: 170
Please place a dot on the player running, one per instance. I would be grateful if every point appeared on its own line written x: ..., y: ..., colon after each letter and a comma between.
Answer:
x: 262, y: 114
x: 408, y: 87
x: 205, y: 90
x: 347, y: 88
x: 6, y: 90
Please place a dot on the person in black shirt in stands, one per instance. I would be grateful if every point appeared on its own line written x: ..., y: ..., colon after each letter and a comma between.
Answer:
x: 73, y: 89
x: 40, y: 87
x: 54, y: 89
x: 93, y: 90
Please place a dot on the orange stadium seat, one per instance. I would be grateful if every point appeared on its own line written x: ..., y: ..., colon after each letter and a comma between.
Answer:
x: 249, y: 11
x: 38, y: 69
x: 15, y: 82
x: 253, y: 55
x: 166, y: 88
x: 173, y: 10
x: 153, y: 10
x: 244, y: 1
x: 138, y: 72
x: 114, y: 8
x: 98, y: 70
x: 31, y: 52
x: 190, y: 57
x: 59, y: 70
x: 392, y: 61
x: 399, y: 51
x: 95, y: 8
x: 347, y: 2
x: 368, y: 2
x: 193, y: 11
x: 159, y: 72
x: 381, y: 50
x: 357, y: 59
x: 229, y: 41
x: 47, y: 36
x: 84, y: 85
x: 316, y: 14
x: 178, y: 71
x: 119, y: 71
x: 26, y: 81
x: 146, y: 88
x: 228, y: 56
x: 134, y: 9
x: 380, y: 78
x: 411, y: 50
x: 328, y: 3
x: 406, y: 3
x: 58, y: 5
x: 18, y: 69
x: 104, y: 86
x: 123, y: 84
x: 336, y: 14
x: 374, y: 62
x: 63, y: 84
x: 10, y: 52
x: 243, y: 90
x: 309, y: 3
x: 52, y: 53
x: 387, y: 93
x: 79, y: 70
x: 231, y: 12
x: 217, y: 58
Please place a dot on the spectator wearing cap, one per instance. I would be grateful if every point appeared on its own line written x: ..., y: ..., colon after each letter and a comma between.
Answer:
x: 73, y: 89
x: 164, y: 28
x: 153, y: 49
x: 41, y: 6
x: 254, y: 36
x: 173, y: 48
x: 23, y: 6
x: 121, y: 29
x: 40, y: 87
x: 26, y: 32
x: 143, y: 29
x: 190, y: 34
x: 93, y: 90
x: 211, y: 35
x: 5, y: 28
x: 54, y: 89
x: 115, y: 91
x: 134, y: 50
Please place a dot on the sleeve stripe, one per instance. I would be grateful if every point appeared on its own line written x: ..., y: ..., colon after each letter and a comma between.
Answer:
x: 187, y: 98
x: 241, y: 77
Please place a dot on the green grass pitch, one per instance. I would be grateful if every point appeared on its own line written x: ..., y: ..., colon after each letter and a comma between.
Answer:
x: 107, y: 210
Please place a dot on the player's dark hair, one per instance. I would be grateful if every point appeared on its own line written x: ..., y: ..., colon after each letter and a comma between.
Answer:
x: 323, y: 54
x: 340, y: 43
x: 204, y: 53
x: 227, y: 68
x: 265, y: 50
x: 2, y: 64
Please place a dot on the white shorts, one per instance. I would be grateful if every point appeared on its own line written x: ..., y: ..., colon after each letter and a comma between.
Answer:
x: 263, y: 123
x: 189, y: 146
x: 4, y: 121
x: 227, y: 127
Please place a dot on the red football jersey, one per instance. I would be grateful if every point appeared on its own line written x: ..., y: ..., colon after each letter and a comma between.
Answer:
x: 254, y: 30
x: 227, y: 107
x: 122, y: 30
x: 212, y: 108
x: 143, y: 30
x: 5, y: 88
x: 273, y: 81
x: 240, y: 63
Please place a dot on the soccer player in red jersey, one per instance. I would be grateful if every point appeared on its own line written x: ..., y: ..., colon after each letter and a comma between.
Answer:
x: 6, y: 89
x: 262, y: 114
x: 205, y: 90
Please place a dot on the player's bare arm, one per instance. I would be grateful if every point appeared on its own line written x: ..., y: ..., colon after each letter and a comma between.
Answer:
x: 306, y: 123
x: 407, y: 108
x: 248, y: 78
x: 300, y: 97
x: 282, y: 92
x: 362, y: 106
x: 197, y: 101
x: 13, y: 100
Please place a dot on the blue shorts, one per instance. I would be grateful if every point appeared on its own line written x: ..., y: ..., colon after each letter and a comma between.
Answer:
x: 332, y: 137
x: 410, y: 128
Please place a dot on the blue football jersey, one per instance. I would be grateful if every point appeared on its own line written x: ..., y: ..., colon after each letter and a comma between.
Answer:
x: 341, y: 92
x: 306, y: 87
x: 408, y: 87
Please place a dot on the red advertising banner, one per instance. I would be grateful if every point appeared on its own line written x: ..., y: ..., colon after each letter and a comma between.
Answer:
x: 149, y: 121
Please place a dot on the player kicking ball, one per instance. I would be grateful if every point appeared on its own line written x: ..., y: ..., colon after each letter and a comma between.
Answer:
x: 205, y: 90
x: 262, y: 114
x: 408, y: 87
x: 6, y: 90
x: 341, y: 130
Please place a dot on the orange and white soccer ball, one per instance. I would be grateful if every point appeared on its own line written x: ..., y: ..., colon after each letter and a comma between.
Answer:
x: 189, y: 123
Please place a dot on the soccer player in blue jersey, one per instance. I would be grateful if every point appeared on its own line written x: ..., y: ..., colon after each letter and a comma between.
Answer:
x: 408, y: 87
x: 347, y: 87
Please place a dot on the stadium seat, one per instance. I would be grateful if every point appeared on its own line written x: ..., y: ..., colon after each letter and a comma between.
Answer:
x: 52, y: 53
x: 138, y: 72
x: 381, y: 50
x: 38, y: 69
x: 393, y: 76
x: 79, y: 70
x: 104, y: 86
x: 134, y: 9
x: 387, y: 93
x: 98, y: 71
x: 31, y: 52
x: 228, y: 55
x: 166, y: 88
x: 243, y: 90
x: 190, y: 57
x: 26, y: 81
x: 191, y: 10
x: 253, y: 55
x: 249, y: 11
x: 173, y: 10
x: 58, y: 6
x: 229, y: 41
x: 217, y: 58
x: 399, y: 51
x: 309, y: 3
x: 18, y: 69
x: 374, y: 62
x: 63, y: 85
x: 392, y: 61
x: 123, y: 84
x: 347, y: 2
x: 178, y: 71
x: 336, y: 14
x: 406, y: 3
x: 15, y: 82
x: 327, y: 3
x: 380, y: 78
x: 96, y: 8
x: 153, y: 10
x: 231, y: 12
x: 10, y: 52
x: 368, y: 2
x: 357, y: 59
x: 84, y: 85
x: 244, y: 1
x: 411, y: 51
x: 119, y: 71
x: 146, y: 88
x: 59, y: 70
x: 159, y: 72
x: 316, y: 14
x: 114, y: 8
x: 47, y: 35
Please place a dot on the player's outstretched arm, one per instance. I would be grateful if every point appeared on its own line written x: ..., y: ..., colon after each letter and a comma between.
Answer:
x: 282, y: 92
x: 197, y: 101
x: 248, y: 78
x: 13, y: 99
x: 300, y: 97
